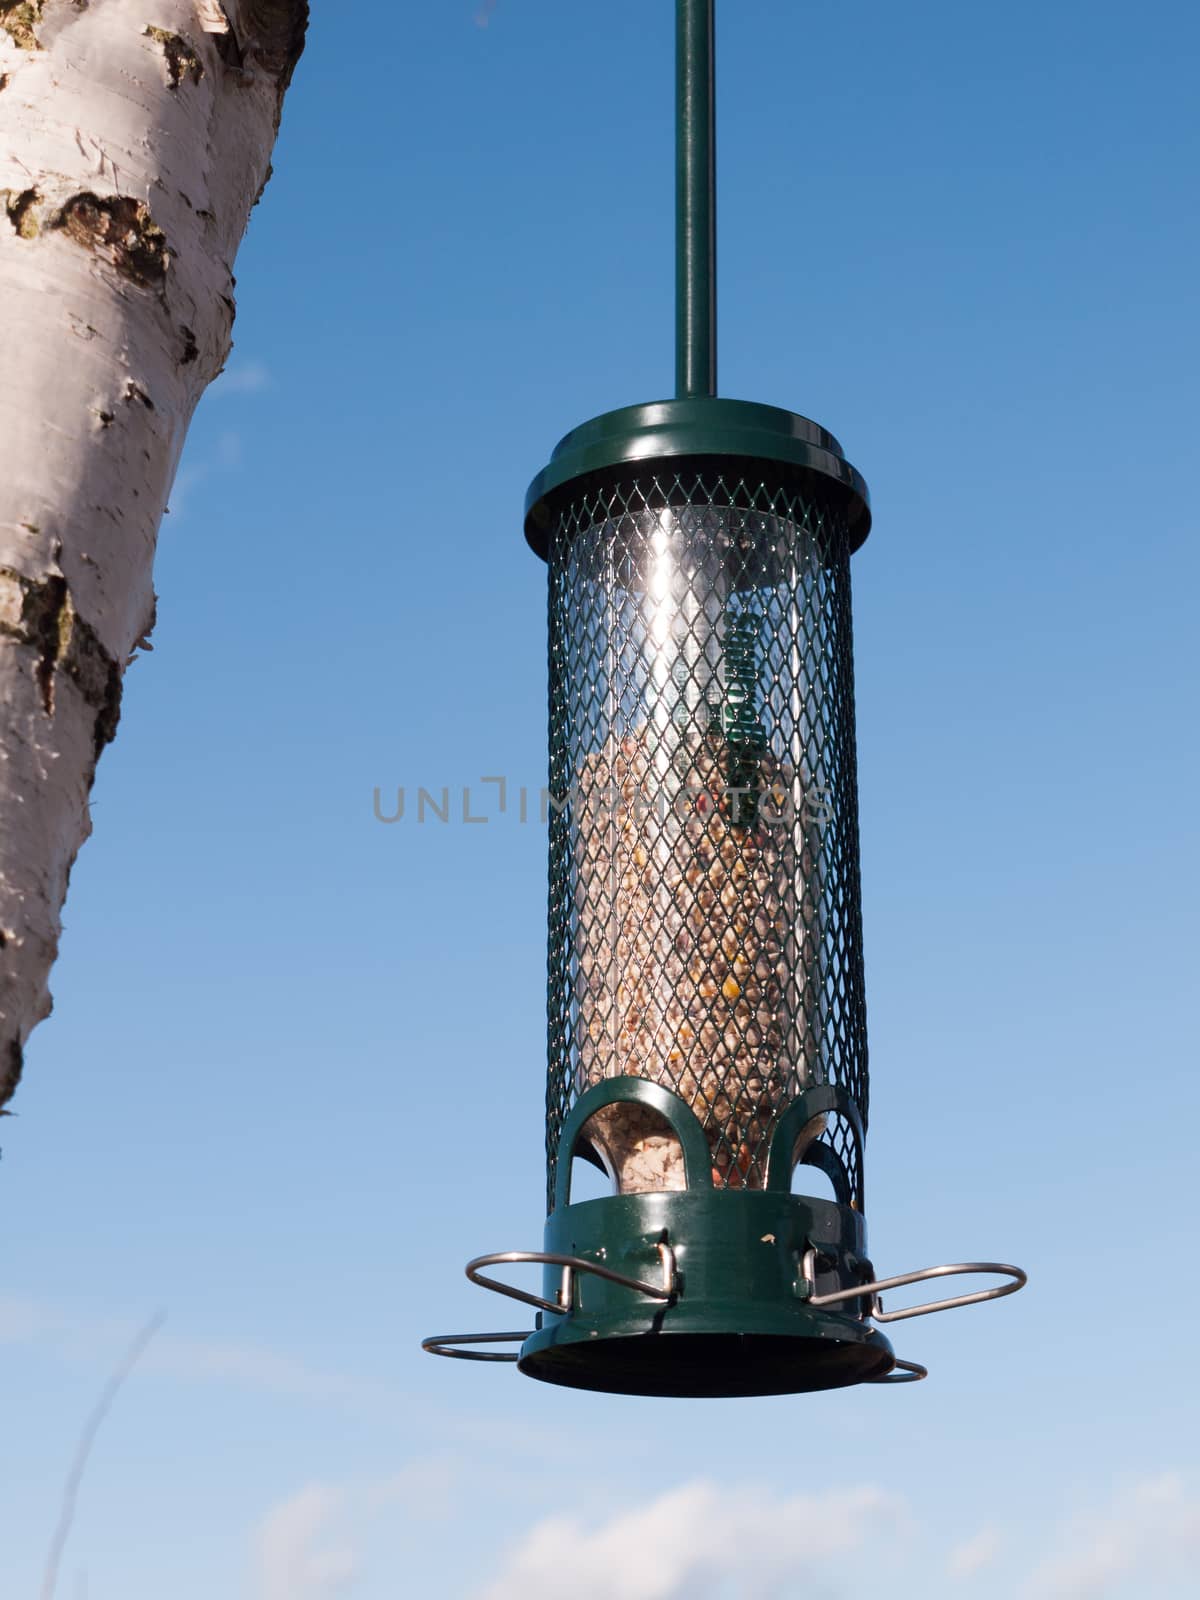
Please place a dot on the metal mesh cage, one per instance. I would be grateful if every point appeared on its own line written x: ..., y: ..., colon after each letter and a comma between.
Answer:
x: 705, y: 928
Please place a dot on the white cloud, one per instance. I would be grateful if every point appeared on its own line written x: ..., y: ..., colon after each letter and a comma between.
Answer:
x: 245, y: 377
x: 703, y: 1539
x: 972, y: 1555
x: 229, y: 450
x: 310, y: 1546
x: 421, y: 1489
x: 226, y: 457
x: 296, y: 1556
x: 1147, y: 1537
x: 187, y: 479
x: 23, y: 1320
x: 80, y: 1339
x: 256, y: 1367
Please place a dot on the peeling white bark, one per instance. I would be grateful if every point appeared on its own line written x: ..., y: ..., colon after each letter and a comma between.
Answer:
x: 135, y: 136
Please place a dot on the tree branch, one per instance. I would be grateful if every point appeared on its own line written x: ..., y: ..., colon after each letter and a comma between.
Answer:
x: 83, y: 1449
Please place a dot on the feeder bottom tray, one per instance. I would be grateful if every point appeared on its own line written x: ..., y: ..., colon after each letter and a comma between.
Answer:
x: 707, y: 1365
x: 736, y: 1321
x: 706, y: 1294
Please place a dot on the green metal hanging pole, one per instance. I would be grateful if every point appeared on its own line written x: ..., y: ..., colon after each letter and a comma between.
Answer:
x: 695, y: 202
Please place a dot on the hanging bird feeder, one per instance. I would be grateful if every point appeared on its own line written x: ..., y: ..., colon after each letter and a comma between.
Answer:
x: 707, y: 1015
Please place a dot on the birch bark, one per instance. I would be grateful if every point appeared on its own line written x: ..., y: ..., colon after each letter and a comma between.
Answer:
x: 135, y: 136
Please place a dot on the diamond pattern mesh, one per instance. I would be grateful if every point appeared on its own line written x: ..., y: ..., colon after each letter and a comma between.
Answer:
x: 705, y: 927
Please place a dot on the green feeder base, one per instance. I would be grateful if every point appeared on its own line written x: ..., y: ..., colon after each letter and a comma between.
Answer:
x: 737, y: 1322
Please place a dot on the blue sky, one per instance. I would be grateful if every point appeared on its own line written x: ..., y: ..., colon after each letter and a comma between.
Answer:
x: 294, y: 1075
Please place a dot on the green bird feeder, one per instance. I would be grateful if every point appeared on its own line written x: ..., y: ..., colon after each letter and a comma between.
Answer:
x: 707, y: 1014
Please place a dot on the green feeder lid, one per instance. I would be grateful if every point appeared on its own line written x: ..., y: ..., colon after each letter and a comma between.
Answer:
x: 705, y: 427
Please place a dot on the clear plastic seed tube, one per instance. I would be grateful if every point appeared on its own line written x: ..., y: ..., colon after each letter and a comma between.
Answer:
x: 704, y: 914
